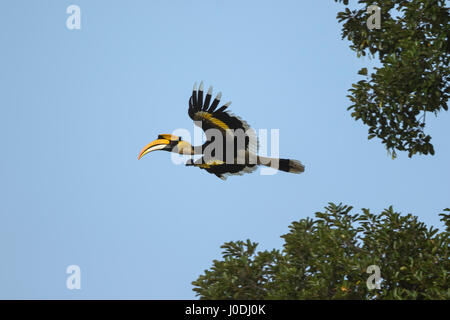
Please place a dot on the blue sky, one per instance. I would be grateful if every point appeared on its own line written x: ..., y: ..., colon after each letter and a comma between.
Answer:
x: 77, y: 106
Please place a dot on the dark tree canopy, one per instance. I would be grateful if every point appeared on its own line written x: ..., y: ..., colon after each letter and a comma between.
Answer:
x: 413, y: 47
x: 327, y: 258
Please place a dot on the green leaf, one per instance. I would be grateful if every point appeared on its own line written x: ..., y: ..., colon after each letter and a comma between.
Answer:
x: 363, y: 72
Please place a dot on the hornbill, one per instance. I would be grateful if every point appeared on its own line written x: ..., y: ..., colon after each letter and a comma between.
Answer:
x: 231, y: 145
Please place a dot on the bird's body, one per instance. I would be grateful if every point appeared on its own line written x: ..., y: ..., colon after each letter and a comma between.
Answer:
x: 231, y: 146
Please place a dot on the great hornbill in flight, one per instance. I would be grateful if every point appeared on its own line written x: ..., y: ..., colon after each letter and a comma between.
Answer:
x: 231, y: 145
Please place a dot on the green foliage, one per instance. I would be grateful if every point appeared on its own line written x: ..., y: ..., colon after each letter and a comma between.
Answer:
x: 413, y: 47
x: 242, y: 275
x: 327, y: 258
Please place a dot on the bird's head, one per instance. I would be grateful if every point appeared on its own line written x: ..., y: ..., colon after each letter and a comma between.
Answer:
x: 167, y: 142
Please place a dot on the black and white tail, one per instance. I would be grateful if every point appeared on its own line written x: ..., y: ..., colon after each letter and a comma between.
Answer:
x: 286, y: 165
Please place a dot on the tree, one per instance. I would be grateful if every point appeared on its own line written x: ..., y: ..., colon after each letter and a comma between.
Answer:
x: 413, y: 47
x: 327, y: 258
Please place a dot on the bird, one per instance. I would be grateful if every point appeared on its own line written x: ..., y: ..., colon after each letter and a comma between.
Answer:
x: 231, y: 146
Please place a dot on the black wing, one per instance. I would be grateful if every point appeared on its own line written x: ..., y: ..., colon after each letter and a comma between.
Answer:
x: 209, y: 116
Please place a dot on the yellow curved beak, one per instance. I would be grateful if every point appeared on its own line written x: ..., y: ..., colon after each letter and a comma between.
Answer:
x: 158, y: 144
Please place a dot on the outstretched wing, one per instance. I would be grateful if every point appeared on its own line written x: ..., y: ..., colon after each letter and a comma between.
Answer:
x: 211, y: 117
